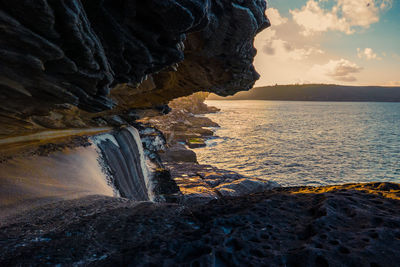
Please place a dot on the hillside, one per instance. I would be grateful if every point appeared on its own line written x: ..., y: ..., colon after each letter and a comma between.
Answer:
x: 317, y: 92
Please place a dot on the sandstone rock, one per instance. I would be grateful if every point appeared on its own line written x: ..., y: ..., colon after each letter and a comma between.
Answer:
x: 114, y: 120
x: 165, y: 186
x: 346, y: 225
x: 202, y: 131
x: 99, y: 55
x: 245, y: 186
x: 153, y: 141
x: 203, y: 122
x: 206, y: 182
x: 193, y: 104
x: 183, y: 136
x: 195, y: 142
x: 194, y: 190
x: 178, y: 153
x: 180, y: 125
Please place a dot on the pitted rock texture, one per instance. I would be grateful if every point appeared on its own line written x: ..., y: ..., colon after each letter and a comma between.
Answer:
x: 123, y: 54
x: 347, y: 225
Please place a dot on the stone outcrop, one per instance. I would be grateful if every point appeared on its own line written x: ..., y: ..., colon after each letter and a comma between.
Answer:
x: 348, y: 225
x: 180, y: 125
x: 196, y: 182
x: 100, y: 55
x: 202, y: 183
x: 178, y: 153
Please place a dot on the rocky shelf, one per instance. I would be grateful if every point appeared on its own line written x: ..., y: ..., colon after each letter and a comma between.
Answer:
x: 346, y: 225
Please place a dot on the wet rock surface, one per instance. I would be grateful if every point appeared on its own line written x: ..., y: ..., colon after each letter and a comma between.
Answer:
x: 102, y: 55
x: 202, y: 183
x: 346, y: 225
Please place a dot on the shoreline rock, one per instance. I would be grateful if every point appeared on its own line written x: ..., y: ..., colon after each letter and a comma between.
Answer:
x: 209, y: 217
x: 185, y: 121
x: 342, y: 225
x: 203, y: 183
x: 197, y: 182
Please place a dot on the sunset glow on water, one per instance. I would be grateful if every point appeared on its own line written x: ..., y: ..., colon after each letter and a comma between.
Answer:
x: 306, y: 143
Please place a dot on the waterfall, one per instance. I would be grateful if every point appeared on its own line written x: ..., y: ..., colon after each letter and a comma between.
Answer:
x: 33, y: 180
x: 123, y: 156
x: 114, y: 165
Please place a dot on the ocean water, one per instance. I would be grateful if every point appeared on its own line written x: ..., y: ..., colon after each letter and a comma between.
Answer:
x: 306, y: 143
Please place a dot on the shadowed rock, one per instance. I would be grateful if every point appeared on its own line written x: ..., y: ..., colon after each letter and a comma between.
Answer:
x: 56, y: 51
x: 346, y: 225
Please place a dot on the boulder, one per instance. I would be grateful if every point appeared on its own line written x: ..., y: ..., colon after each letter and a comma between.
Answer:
x: 195, y: 142
x: 245, y: 186
x: 178, y: 153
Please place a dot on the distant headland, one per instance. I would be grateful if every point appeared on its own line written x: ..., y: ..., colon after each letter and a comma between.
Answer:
x: 317, y: 92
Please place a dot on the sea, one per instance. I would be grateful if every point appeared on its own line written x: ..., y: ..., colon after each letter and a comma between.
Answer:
x: 297, y: 143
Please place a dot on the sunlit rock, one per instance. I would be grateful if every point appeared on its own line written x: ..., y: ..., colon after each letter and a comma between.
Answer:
x: 245, y: 186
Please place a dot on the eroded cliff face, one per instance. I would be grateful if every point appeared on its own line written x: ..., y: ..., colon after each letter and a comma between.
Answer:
x: 65, y: 62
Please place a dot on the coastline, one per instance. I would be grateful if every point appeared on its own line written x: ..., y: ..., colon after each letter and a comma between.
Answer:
x: 102, y: 111
x: 218, y: 217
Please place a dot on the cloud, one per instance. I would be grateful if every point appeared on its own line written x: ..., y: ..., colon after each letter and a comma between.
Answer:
x: 286, y: 54
x: 386, y: 4
x: 275, y: 17
x: 368, y: 54
x: 273, y: 46
x: 338, y: 70
x: 359, y: 12
x: 344, y: 16
x: 314, y: 19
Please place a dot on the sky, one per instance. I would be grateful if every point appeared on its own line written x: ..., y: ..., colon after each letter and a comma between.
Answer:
x: 350, y: 42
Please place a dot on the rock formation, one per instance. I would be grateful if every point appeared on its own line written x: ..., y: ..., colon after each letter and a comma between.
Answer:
x: 78, y: 64
x: 102, y: 55
x: 349, y: 225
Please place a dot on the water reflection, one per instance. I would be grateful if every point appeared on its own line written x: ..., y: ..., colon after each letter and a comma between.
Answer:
x: 307, y: 143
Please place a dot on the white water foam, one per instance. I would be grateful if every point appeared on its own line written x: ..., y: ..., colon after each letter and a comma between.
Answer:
x: 103, y: 138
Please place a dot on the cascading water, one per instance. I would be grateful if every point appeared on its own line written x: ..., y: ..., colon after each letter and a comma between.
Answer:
x: 114, y: 165
x: 122, y: 153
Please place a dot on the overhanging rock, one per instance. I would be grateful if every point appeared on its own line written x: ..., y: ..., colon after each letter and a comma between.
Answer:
x: 104, y: 54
